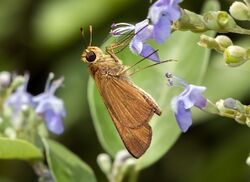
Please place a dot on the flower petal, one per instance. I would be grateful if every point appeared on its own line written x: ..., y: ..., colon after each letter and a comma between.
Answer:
x: 54, y: 122
x: 148, y: 50
x: 196, y: 96
x: 136, y: 45
x: 162, y: 30
x: 182, y: 115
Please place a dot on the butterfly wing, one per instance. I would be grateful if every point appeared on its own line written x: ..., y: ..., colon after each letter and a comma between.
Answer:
x: 130, y: 109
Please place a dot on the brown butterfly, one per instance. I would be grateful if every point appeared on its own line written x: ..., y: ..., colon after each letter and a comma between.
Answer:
x: 129, y: 106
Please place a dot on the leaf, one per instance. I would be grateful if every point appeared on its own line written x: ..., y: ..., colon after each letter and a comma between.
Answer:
x: 191, y: 65
x: 18, y: 149
x: 66, y: 166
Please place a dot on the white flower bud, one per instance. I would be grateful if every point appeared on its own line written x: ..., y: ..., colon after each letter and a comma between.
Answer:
x: 5, y: 78
x: 240, y: 11
x: 207, y: 42
x: 19, y: 80
x: 235, y: 55
x: 248, y: 160
x: 10, y: 133
x: 223, y: 41
x: 104, y: 162
x: 230, y: 103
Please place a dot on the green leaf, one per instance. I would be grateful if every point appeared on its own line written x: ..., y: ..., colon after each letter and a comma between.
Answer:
x: 66, y: 166
x: 191, y: 65
x: 18, y: 149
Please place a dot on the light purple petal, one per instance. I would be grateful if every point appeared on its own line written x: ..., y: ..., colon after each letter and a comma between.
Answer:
x: 182, y: 115
x: 162, y: 13
x: 162, y: 30
x: 136, y: 45
x: 196, y: 96
x: 51, y: 108
x: 148, y: 50
x: 175, y: 13
x: 54, y: 122
x: 143, y: 31
x: 19, y: 99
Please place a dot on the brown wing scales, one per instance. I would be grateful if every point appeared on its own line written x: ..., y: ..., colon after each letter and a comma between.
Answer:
x: 128, y: 103
x: 130, y: 109
x: 136, y: 140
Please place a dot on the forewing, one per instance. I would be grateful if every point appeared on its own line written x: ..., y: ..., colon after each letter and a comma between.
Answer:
x: 130, y: 111
x: 129, y: 104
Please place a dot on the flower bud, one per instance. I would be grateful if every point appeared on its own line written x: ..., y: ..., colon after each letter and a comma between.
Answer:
x: 219, y: 21
x: 223, y: 41
x: 235, y: 55
x: 248, y: 160
x: 5, y: 78
x: 10, y: 133
x: 230, y: 103
x: 240, y: 11
x: 207, y: 42
x: 19, y: 80
x: 104, y: 162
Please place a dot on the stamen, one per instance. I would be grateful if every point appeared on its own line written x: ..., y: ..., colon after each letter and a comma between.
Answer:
x: 51, y: 76
x: 121, y: 28
x: 175, y: 81
x: 26, y: 80
x: 55, y: 85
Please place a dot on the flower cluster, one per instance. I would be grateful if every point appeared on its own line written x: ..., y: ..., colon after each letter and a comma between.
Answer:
x: 46, y: 104
x: 157, y: 26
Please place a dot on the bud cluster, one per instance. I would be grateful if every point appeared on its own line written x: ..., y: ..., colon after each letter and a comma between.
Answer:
x: 122, y: 164
x: 233, y: 55
x: 234, y: 109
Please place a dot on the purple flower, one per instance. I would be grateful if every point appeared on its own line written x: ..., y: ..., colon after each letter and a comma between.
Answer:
x: 142, y: 32
x: 20, y: 99
x: 181, y: 104
x: 50, y: 107
x: 157, y: 26
x: 162, y: 14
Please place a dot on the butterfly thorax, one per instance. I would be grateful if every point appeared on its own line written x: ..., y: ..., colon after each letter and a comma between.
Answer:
x: 103, y: 64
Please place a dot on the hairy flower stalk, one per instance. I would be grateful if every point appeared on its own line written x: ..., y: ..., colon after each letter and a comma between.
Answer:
x: 219, y: 21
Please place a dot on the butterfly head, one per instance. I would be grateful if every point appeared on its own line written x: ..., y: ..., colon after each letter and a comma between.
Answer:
x: 91, y: 54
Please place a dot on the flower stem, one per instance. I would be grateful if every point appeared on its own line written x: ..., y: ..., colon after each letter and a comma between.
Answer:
x: 133, y: 175
x: 241, y: 30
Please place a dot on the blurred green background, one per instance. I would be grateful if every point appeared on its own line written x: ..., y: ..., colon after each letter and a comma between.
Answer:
x: 44, y: 36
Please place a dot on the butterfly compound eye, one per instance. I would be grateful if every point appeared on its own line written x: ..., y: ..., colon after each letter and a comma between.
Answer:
x: 90, y: 56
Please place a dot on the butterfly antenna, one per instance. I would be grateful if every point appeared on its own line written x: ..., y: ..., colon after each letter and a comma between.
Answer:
x: 83, y: 36
x: 90, y: 34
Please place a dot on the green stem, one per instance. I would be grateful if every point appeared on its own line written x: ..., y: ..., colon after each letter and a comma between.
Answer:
x: 133, y: 175
x: 240, y: 30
